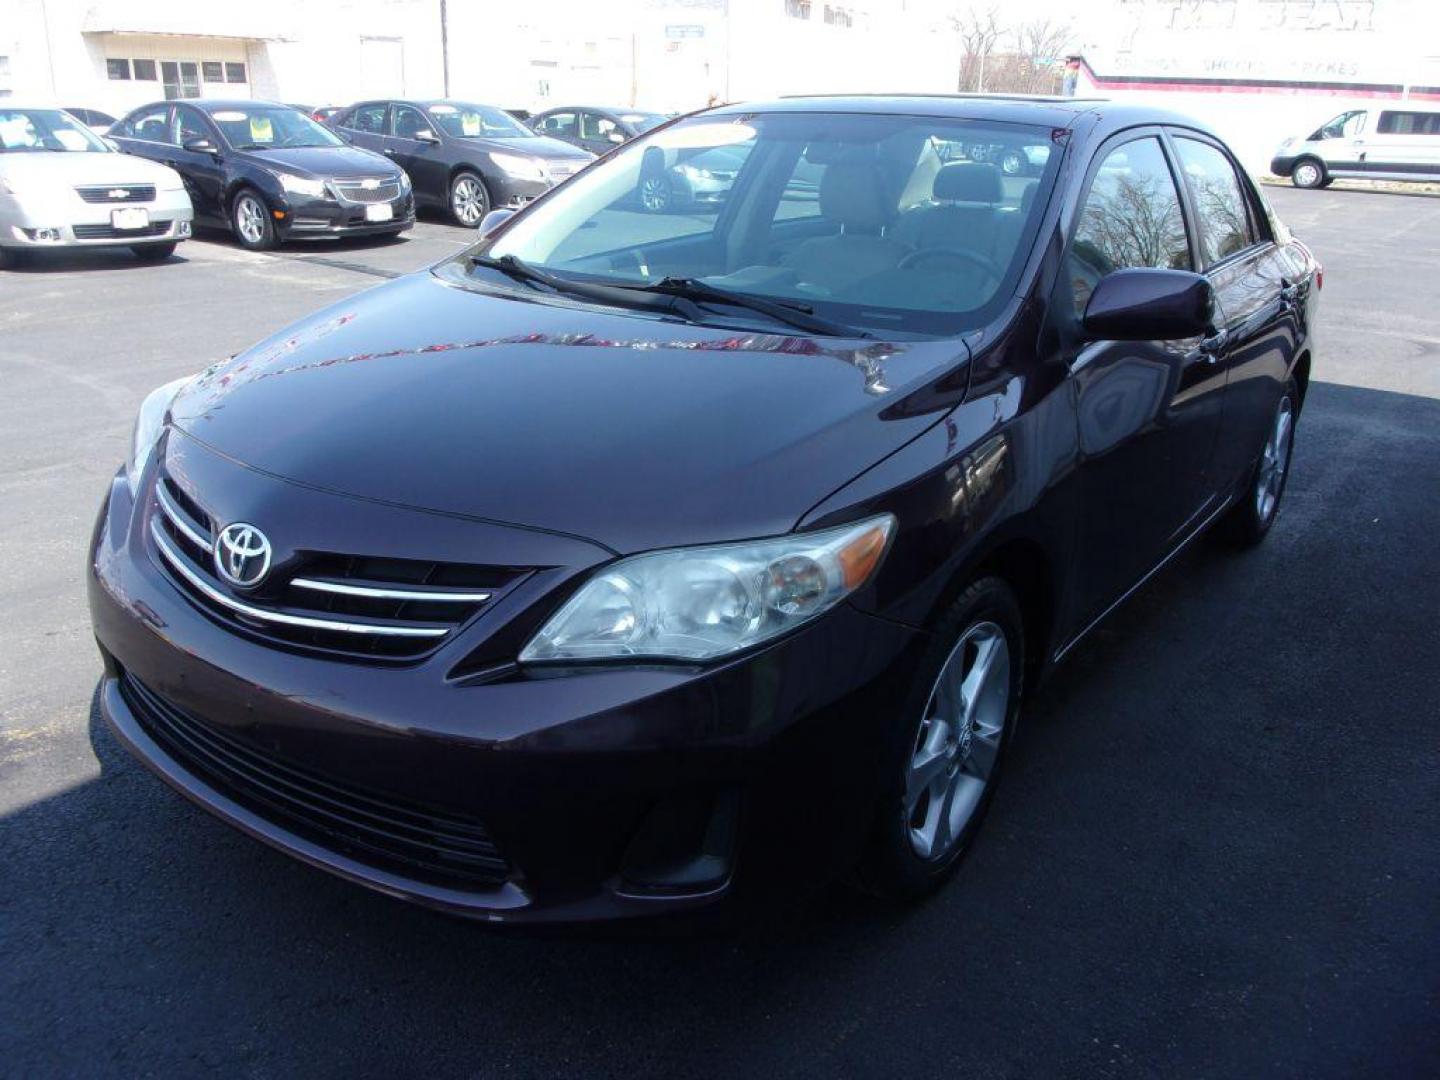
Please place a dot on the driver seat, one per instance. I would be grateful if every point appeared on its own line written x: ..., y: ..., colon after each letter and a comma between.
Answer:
x: 852, y: 196
x: 968, y: 196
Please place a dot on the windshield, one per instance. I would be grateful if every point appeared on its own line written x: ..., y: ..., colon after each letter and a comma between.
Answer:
x: 41, y: 130
x: 465, y: 121
x: 271, y: 127
x: 885, y: 223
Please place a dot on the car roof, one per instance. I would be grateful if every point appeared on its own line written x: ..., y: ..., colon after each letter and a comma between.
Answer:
x: 214, y: 105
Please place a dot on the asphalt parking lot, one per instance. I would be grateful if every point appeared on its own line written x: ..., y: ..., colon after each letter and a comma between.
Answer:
x: 1217, y: 852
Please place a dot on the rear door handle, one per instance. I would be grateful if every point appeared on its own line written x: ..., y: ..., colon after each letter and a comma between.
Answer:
x: 389, y: 152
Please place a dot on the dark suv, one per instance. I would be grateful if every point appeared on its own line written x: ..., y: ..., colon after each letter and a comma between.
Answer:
x: 634, y: 563
x: 462, y: 157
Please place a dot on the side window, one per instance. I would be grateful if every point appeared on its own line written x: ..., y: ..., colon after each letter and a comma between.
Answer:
x: 152, y: 125
x: 409, y: 122
x: 1408, y: 123
x: 561, y: 124
x: 368, y: 118
x: 1224, y: 214
x: 1131, y: 217
x: 188, y: 125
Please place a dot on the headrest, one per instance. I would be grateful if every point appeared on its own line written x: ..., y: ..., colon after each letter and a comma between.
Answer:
x: 968, y: 181
x: 851, y: 193
x: 1027, y: 200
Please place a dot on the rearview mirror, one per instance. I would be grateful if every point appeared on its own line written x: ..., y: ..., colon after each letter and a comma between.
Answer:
x: 1144, y: 304
x: 493, y: 220
x: 200, y: 146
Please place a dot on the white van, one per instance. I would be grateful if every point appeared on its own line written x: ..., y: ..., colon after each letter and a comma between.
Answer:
x: 1400, y: 142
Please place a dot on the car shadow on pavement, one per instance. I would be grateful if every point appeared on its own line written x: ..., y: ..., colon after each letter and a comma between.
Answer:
x: 89, y: 260
x: 1212, y: 855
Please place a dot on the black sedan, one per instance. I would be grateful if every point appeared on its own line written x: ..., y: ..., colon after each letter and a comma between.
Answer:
x: 268, y: 172
x: 633, y: 564
x: 593, y: 129
x: 462, y: 157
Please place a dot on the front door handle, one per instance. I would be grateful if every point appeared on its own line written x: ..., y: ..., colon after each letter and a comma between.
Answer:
x: 389, y: 152
x: 1213, y: 345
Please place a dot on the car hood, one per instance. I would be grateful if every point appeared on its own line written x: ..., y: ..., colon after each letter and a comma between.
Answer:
x: 540, y: 146
x: 620, y: 428
x: 41, y: 170
x: 324, y: 161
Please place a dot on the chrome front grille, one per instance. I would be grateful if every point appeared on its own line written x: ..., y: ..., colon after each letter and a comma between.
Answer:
x: 354, y: 606
x: 373, y: 190
x: 117, y: 193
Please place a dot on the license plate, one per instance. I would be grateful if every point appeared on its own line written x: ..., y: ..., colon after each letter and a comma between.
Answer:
x: 379, y: 212
x: 132, y: 217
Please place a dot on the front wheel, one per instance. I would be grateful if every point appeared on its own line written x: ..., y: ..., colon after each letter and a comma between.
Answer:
x: 657, y: 194
x: 1309, y: 173
x: 1249, y: 520
x: 250, y: 220
x: 469, y: 201
x: 949, y: 744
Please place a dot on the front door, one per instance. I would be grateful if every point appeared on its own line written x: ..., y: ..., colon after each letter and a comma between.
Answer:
x: 1147, y: 412
x: 423, y: 160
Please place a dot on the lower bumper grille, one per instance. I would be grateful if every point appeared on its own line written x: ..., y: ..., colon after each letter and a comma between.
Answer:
x: 109, y: 232
x: 371, y: 827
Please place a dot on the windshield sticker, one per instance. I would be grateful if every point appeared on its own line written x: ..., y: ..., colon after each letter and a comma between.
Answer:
x: 230, y: 117
x: 261, y: 130
x: 704, y: 135
x: 442, y: 110
x: 470, y: 124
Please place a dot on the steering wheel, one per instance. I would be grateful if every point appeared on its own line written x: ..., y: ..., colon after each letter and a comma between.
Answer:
x: 959, y: 254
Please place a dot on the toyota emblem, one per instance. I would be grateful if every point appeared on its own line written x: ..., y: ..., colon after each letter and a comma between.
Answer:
x: 242, y: 555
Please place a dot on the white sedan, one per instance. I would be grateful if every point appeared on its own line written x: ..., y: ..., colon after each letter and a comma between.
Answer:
x: 61, y: 185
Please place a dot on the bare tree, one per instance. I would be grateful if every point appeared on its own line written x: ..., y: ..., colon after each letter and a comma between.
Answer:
x: 979, y: 31
x: 1038, y: 46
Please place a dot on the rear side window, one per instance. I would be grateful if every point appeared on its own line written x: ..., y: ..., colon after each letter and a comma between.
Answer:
x: 152, y: 125
x: 1409, y: 123
x: 1131, y: 217
x: 367, y: 118
x: 1224, y: 213
x: 559, y: 124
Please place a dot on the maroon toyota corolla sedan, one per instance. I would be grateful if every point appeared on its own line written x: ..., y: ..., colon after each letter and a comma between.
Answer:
x: 639, y: 563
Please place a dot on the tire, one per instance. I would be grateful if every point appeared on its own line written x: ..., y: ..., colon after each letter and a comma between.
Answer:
x: 153, y: 252
x: 1309, y: 173
x: 657, y: 194
x: 13, y: 258
x: 1248, y: 522
x: 915, y: 844
x: 250, y: 221
x: 469, y: 199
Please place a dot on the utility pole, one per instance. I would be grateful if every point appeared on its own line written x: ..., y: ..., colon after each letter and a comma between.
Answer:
x: 445, y: 46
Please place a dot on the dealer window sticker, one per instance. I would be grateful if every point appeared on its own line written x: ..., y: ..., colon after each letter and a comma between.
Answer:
x: 261, y: 130
x: 470, y: 124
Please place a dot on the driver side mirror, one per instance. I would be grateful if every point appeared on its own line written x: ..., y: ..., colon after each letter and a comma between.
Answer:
x: 493, y: 220
x: 425, y: 135
x: 1144, y: 304
x: 200, y: 146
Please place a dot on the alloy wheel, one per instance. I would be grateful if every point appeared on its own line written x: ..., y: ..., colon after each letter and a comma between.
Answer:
x: 958, y: 743
x: 1011, y: 164
x: 468, y: 200
x: 1274, y: 460
x: 655, y: 194
x: 250, y: 219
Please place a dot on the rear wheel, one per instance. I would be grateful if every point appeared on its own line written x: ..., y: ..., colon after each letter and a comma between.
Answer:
x: 949, y: 746
x: 250, y: 220
x: 1309, y: 173
x: 153, y: 252
x: 1249, y: 520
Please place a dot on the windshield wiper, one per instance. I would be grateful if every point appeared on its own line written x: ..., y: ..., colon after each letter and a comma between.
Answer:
x: 797, y: 315
x: 615, y: 295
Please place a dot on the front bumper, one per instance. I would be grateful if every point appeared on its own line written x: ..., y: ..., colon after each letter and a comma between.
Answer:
x: 610, y: 793
x: 1282, y: 164
x: 65, y: 220
x: 329, y: 217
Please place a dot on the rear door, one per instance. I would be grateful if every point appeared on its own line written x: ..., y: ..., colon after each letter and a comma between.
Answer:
x: 1147, y: 412
x: 364, y: 125
x: 147, y: 133
x: 561, y: 125
x: 1405, y: 146
x: 1257, y: 305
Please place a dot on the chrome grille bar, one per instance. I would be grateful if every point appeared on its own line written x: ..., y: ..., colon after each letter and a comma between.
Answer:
x: 178, y: 564
x: 176, y: 517
x: 370, y: 592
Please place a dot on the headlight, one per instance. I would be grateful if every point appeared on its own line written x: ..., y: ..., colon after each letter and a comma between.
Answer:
x: 704, y: 603
x: 696, y: 173
x: 298, y: 185
x: 148, y: 425
x: 522, y: 168
x: 404, y: 180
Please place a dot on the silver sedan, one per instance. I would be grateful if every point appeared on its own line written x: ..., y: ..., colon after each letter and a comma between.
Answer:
x: 61, y: 185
